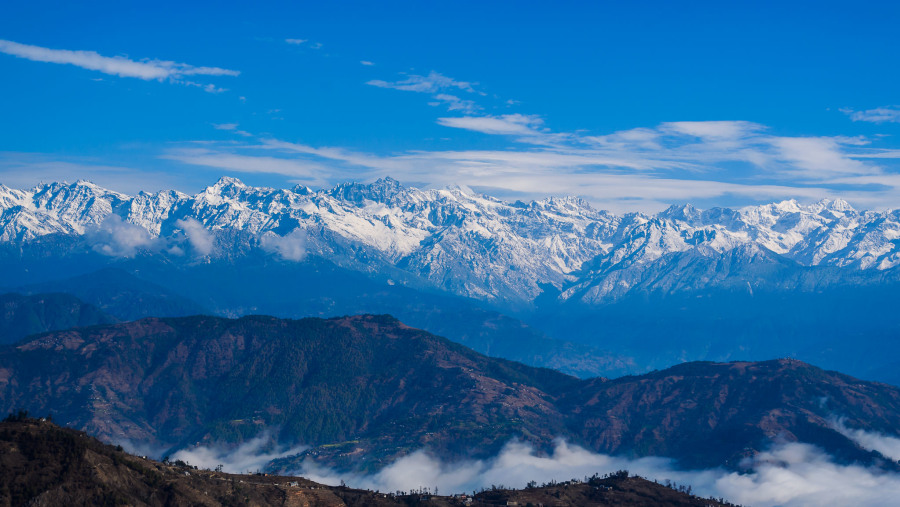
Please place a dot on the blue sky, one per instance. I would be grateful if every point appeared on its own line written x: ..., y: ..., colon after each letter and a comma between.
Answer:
x: 633, y: 105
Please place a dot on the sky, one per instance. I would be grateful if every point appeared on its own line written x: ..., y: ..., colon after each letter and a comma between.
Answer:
x: 631, y: 105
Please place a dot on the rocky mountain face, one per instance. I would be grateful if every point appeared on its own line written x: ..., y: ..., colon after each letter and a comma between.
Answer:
x: 469, y: 244
x: 362, y: 391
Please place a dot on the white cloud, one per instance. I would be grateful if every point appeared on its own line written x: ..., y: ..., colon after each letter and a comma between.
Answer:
x: 304, y: 42
x: 200, y: 238
x: 802, y: 475
x: 250, y: 456
x: 350, y: 157
x: 117, y: 238
x: 455, y: 103
x: 713, y: 130
x: 819, y: 156
x: 508, y: 124
x: 889, y: 154
x: 889, y: 114
x: 290, y: 247
x: 208, y: 88
x: 641, y: 169
x: 299, y: 169
x: 434, y: 82
x: 441, y: 88
x: 232, y: 127
x: 146, y: 69
x: 366, y: 63
x: 637, y: 139
x: 886, y: 445
x: 788, y: 475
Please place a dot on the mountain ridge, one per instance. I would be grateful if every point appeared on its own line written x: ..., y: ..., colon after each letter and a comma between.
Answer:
x: 454, y: 239
x: 362, y: 391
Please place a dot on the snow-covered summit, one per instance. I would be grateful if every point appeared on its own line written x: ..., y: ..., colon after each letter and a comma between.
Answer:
x: 468, y: 243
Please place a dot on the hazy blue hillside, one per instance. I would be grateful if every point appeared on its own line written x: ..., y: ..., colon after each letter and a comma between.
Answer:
x: 22, y: 315
x: 363, y: 391
x: 851, y: 329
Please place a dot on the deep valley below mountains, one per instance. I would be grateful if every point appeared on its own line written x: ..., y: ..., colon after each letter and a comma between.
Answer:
x: 364, y: 390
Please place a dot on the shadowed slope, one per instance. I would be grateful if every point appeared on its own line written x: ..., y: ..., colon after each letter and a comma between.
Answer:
x: 364, y: 390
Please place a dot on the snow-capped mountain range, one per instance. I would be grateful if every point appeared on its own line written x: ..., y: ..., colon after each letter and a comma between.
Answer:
x: 459, y: 241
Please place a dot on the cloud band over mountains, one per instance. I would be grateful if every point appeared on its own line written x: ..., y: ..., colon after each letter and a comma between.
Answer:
x: 638, y: 169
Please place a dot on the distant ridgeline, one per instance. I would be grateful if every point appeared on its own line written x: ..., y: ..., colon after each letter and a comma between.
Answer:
x: 552, y: 283
x: 363, y: 391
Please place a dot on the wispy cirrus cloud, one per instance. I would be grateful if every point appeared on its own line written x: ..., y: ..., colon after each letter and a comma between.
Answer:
x: 640, y: 169
x: 509, y: 124
x: 309, y: 172
x: 146, y: 69
x: 713, y: 130
x: 455, y: 103
x: 232, y: 127
x: 819, y: 157
x: 305, y: 43
x: 434, y: 82
x: 441, y: 88
x: 887, y: 114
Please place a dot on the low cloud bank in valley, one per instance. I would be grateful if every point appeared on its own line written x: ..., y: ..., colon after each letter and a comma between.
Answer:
x: 790, y: 474
x: 250, y: 456
x: 886, y: 445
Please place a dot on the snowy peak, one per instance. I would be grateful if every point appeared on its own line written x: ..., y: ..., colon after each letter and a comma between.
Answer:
x: 836, y: 207
x: 227, y: 187
x: 684, y: 212
x: 225, y: 183
x: 461, y: 241
x: 383, y: 190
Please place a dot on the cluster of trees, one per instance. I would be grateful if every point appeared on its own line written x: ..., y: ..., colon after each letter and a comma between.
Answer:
x: 17, y: 416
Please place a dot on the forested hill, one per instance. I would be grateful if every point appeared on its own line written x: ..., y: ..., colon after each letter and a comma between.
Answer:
x: 364, y: 390
x: 44, y: 464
